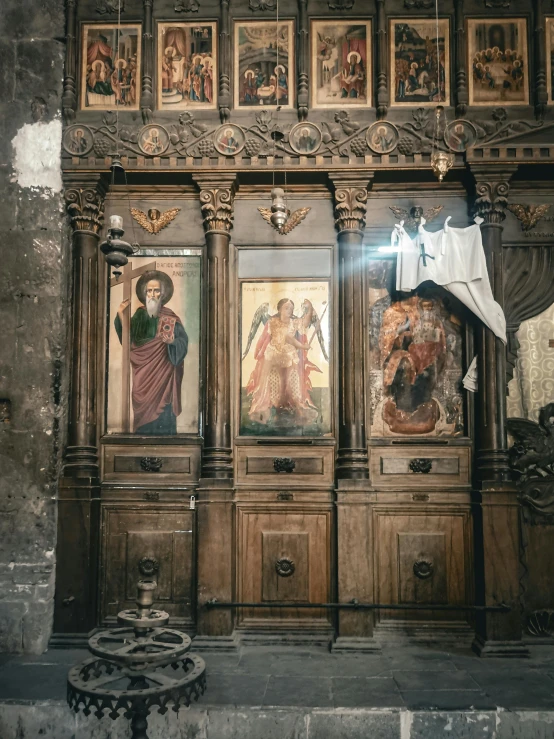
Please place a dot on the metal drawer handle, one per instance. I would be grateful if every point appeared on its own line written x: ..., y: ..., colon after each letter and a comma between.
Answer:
x: 421, y: 465
x: 283, y: 464
x: 151, y: 464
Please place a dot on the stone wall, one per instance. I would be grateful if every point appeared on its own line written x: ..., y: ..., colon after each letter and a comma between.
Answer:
x: 33, y: 288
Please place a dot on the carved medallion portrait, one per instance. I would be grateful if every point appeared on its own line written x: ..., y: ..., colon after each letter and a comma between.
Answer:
x: 153, y: 140
x: 416, y: 359
x: 497, y: 61
x: 549, y: 22
x: 419, y: 62
x: 78, y: 140
x: 285, y: 377
x: 341, y: 64
x: 154, y: 345
x: 305, y: 138
x: 110, y: 66
x: 229, y: 140
x: 187, y: 66
x: 382, y: 137
x: 459, y: 135
x: 264, y: 64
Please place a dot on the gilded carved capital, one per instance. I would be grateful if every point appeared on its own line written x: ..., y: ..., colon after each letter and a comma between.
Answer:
x: 492, y: 188
x: 350, y: 208
x: 217, y: 208
x: 85, y: 206
x: 492, y: 200
x: 217, y: 200
x: 351, y: 201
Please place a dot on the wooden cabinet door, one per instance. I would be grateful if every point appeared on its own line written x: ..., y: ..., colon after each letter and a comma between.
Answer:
x: 423, y: 558
x: 131, y: 536
x: 284, y: 556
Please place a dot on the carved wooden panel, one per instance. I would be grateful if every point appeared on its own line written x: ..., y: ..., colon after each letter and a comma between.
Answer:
x: 420, y: 466
x: 285, y: 465
x: 283, y: 555
x: 152, y: 464
x: 285, y: 566
x: 422, y: 558
x: 140, y: 542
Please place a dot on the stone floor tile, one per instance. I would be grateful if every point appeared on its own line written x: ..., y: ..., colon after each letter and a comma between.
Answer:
x: 448, y: 700
x: 237, y: 690
x: 274, y: 724
x: 431, y: 680
x: 298, y: 691
x: 353, y: 725
x: 377, y: 692
x: 28, y: 682
x: 466, y: 725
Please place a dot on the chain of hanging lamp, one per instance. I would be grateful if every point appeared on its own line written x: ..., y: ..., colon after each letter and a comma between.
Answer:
x: 441, y: 161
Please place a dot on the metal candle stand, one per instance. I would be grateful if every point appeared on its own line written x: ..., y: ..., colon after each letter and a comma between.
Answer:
x: 130, y: 671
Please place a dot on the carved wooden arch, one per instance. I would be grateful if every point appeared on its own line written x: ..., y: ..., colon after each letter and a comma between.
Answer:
x: 528, y: 279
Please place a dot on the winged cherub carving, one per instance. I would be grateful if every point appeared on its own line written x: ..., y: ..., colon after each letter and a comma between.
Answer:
x: 412, y: 218
x: 292, y: 220
x: 154, y: 221
x: 533, y: 451
x: 529, y: 215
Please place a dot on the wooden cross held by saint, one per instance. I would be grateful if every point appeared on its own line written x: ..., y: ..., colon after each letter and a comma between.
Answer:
x: 128, y: 275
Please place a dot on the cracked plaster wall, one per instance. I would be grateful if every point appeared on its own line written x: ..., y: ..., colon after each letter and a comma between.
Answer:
x: 33, y: 287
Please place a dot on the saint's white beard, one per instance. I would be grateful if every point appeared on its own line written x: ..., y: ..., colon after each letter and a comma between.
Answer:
x: 153, y: 307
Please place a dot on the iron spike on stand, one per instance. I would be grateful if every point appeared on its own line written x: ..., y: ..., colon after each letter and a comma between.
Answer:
x: 131, y: 668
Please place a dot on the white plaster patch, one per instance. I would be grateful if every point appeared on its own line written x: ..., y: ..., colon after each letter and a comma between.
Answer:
x: 37, y: 155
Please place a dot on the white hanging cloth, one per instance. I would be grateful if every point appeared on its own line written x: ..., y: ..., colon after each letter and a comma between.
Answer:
x: 453, y: 258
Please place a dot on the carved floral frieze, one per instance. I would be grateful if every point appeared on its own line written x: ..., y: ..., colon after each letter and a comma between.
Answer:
x: 267, y: 137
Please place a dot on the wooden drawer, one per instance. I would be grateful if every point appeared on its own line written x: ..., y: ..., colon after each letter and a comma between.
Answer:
x: 419, y: 467
x: 157, y: 465
x: 285, y: 465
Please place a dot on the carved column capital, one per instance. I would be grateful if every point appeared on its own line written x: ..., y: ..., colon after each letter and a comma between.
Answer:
x: 492, y: 188
x: 85, y: 206
x: 217, y: 199
x: 351, y: 200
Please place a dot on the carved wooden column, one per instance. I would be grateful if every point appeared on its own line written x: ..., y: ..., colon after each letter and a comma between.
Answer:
x: 350, y: 209
x: 354, y: 530
x: 497, y: 509
x: 303, y: 60
x: 224, y: 63
x: 78, y: 506
x: 541, y: 92
x: 382, y: 61
x: 462, y: 95
x: 215, y: 508
x: 69, y: 96
x: 146, y: 95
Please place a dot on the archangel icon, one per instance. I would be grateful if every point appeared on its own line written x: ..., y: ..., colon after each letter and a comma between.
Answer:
x: 280, y: 394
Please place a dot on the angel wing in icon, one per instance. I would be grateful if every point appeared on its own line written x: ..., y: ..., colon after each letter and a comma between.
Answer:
x: 261, y: 316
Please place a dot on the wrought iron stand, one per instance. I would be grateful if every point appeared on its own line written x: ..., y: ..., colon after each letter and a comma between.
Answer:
x: 132, y: 667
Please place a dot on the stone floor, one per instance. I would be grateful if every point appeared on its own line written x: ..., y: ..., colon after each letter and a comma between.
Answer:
x: 309, y: 693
